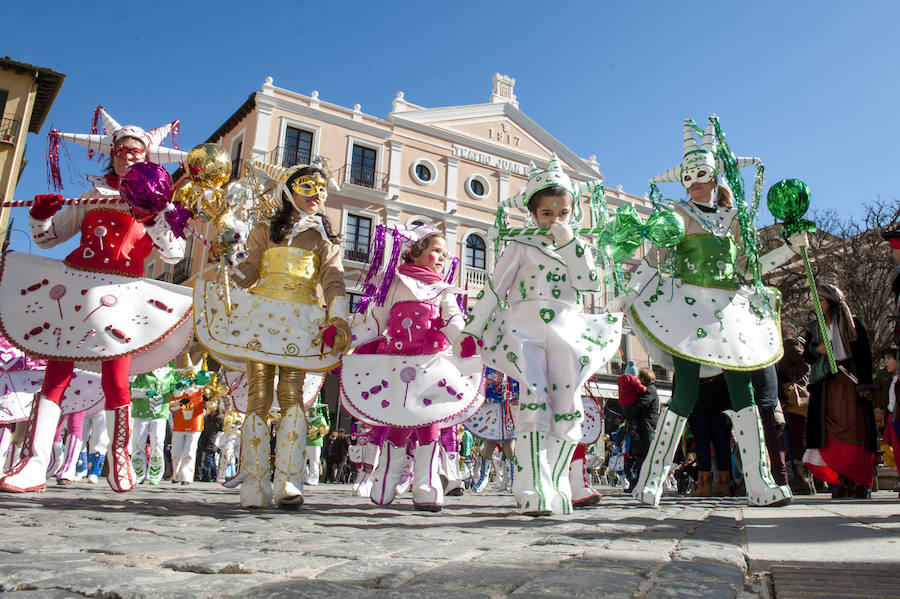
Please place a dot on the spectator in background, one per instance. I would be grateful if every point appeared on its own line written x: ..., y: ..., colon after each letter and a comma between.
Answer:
x: 630, y: 389
x: 642, y: 415
x: 212, y: 425
x: 792, y: 371
x: 711, y: 428
x: 840, y: 429
x: 765, y: 394
x: 892, y: 418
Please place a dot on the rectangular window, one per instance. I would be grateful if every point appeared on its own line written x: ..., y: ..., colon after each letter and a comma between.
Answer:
x: 236, y: 150
x: 354, y: 301
x: 297, y: 147
x: 356, y: 238
x: 182, y: 270
x: 362, y: 166
x: 3, y: 96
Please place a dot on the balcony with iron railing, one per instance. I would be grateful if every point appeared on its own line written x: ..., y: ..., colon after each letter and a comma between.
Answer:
x: 355, y: 174
x: 356, y: 254
x: 474, y: 277
x: 9, y: 130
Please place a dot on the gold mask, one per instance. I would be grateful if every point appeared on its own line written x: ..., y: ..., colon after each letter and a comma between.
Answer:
x: 311, y: 185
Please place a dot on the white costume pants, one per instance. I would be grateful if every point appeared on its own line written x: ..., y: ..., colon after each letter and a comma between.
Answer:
x: 184, y: 455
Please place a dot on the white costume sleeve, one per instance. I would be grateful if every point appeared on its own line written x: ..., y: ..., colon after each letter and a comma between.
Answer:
x: 495, y: 292
x: 452, y: 316
x: 59, y: 228
x: 583, y: 273
x: 170, y: 247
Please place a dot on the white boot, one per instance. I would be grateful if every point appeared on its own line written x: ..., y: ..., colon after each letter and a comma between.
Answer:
x: 5, y: 446
x: 156, y: 468
x: 450, y: 465
x: 559, y: 456
x: 363, y: 486
x: 428, y: 491
x: 649, y: 486
x: 30, y: 474
x: 120, y: 472
x: 235, y: 481
x: 762, y: 490
x: 57, y: 455
x: 387, y: 473
x: 290, y: 458
x: 139, y: 463
x: 483, y: 477
x: 66, y: 474
x: 256, y: 488
x: 583, y: 494
x: 533, y: 485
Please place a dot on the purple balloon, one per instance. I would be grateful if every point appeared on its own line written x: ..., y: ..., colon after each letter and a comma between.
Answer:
x: 146, y: 186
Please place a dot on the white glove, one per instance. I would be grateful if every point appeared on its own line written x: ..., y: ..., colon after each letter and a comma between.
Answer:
x: 620, y: 303
x: 798, y: 240
x: 561, y: 232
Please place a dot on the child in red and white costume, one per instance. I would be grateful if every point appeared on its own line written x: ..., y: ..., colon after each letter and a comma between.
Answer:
x: 95, y: 307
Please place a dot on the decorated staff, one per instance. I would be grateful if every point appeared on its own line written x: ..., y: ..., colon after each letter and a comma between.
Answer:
x: 278, y: 325
x: 703, y: 309
x: 788, y: 200
x: 542, y: 339
x: 95, y: 307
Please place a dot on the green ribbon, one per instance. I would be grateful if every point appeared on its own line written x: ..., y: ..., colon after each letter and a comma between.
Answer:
x: 567, y: 417
x: 625, y: 233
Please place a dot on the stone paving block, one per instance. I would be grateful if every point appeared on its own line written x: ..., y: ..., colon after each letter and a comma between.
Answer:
x: 577, y: 584
x: 127, y: 583
x: 611, y: 564
x: 641, y: 544
x: 42, y: 594
x: 316, y: 589
x: 21, y: 569
x: 203, y: 586
x: 691, y: 571
x: 691, y: 550
x: 226, y: 562
x: 695, y: 590
x: 483, y: 578
x: 377, y: 573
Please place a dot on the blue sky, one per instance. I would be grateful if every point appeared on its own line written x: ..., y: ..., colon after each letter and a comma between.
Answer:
x: 811, y: 87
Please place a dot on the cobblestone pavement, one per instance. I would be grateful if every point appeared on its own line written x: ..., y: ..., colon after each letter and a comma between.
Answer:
x: 196, y: 541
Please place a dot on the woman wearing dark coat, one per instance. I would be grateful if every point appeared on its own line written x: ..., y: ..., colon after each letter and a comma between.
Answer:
x: 841, y: 438
x: 642, y: 416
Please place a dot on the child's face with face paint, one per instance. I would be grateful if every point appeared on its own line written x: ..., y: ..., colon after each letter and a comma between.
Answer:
x: 549, y: 209
x: 433, y: 256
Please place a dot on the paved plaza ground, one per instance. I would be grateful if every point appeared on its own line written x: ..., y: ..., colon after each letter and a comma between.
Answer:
x: 196, y: 541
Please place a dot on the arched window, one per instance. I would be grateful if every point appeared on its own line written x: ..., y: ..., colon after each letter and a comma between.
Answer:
x: 475, y: 252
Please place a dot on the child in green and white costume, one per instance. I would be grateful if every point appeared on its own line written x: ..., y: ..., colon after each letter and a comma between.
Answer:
x: 543, y: 339
x: 317, y: 428
x: 711, y: 315
x: 150, y: 394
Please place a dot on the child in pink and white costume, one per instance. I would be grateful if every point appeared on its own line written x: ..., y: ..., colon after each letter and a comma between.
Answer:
x: 413, y: 382
x: 95, y: 307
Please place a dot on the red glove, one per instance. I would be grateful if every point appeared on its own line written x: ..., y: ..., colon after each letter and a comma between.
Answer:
x: 468, y: 347
x: 46, y: 205
x: 328, y: 335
